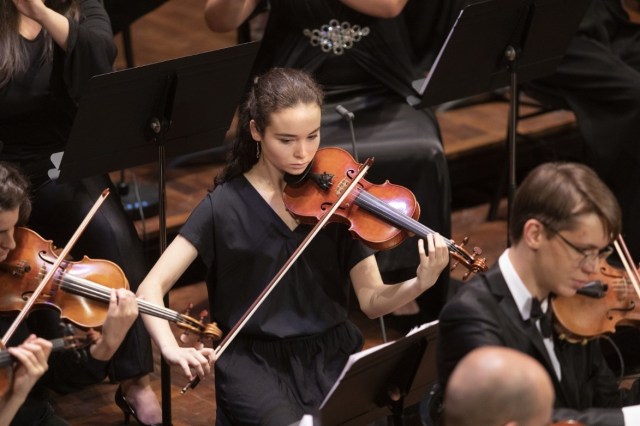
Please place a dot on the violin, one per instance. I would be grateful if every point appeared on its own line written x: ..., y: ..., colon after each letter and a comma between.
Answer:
x: 74, y: 290
x: 632, y: 7
x: 382, y: 216
x: 609, y: 299
x: 7, y: 361
x: 597, y: 308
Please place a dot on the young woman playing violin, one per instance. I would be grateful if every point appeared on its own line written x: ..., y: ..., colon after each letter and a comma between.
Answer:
x: 66, y: 372
x: 50, y: 51
x: 289, y: 354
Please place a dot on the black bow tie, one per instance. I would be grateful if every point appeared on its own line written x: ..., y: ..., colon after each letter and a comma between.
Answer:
x: 545, y: 318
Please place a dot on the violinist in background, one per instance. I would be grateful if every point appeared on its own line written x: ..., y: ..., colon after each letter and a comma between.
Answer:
x: 498, y: 386
x: 289, y: 354
x: 564, y: 219
x: 67, y: 371
x: 49, y: 50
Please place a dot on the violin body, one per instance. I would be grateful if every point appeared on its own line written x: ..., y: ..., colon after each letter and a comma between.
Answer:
x: 382, y: 216
x: 309, y: 202
x: 80, y: 291
x: 580, y: 318
x: 26, y: 266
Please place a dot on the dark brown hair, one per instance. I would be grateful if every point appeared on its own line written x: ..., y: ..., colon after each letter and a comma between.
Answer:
x: 557, y: 193
x: 277, y: 89
x: 13, y: 54
x: 14, y: 191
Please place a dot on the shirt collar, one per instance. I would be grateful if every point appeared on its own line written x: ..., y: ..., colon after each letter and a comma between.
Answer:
x: 521, y: 295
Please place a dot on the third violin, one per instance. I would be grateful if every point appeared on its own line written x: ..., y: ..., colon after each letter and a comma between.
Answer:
x: 608, y: 300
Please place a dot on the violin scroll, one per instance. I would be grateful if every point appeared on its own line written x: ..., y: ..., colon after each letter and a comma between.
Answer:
x: 197, y: 327
x: 473, y: 262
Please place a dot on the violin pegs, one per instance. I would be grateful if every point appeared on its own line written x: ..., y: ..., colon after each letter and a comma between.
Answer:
x: 465, y: 240
x: 454, y: 265
x: 188, y: 310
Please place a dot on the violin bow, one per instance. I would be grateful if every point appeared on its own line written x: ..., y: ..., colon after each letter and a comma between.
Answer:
x: 224, y: 344
x: 627, y: 261
x: 61, y: 257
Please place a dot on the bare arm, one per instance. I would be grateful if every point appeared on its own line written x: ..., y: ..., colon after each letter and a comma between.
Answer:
x: 171, y: 265
x: 227, y: 15
x: 56, y: 24
x: 378, y: 299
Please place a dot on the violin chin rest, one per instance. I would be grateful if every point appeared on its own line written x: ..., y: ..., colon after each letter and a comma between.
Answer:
x: 593, y: 289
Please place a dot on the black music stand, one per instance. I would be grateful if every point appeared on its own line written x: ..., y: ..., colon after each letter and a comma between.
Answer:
x: 145, y: 114
x: 383, y: 380
x: 499, y: 43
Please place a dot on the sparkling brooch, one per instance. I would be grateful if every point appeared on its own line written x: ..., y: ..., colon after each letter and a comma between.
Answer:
x: 336, y: 37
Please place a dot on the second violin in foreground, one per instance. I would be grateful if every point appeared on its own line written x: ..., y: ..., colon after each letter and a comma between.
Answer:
x: 79, y: 290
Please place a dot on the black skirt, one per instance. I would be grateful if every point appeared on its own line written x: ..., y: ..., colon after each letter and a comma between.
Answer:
x: 277, y: 381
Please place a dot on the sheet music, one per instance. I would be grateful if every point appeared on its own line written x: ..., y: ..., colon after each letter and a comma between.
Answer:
x: 424, y: 326
x: 352, y: 359
x: 359, y: 355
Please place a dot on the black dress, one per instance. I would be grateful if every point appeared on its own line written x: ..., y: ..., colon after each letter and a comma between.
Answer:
x: 371, y: 77
x: 292, y: 350
x: 37, y: 109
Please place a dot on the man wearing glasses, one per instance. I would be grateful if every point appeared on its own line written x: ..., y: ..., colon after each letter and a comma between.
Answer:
x: 563, y: 222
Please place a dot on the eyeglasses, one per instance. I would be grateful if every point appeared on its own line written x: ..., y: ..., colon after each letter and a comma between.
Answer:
x: 587, y: 254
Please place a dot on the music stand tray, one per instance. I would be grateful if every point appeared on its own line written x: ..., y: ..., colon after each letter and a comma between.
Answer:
x: 380, y: 381
x: 472, y: 59
x: 197, y: 93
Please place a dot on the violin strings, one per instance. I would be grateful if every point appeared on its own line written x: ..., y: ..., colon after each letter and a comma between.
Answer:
x: 373, y: 204
x: 5, y: 359
x: 102, y: 293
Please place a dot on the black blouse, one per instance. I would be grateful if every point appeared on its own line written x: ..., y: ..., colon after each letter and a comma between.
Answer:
x: 37, y: 108
x: 383, y: 56
x: 244, y: 243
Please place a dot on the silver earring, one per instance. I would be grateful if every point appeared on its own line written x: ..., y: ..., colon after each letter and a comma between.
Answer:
x: 257, y: 149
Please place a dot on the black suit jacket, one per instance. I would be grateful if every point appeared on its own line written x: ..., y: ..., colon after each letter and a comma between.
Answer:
x: 483, y: 312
